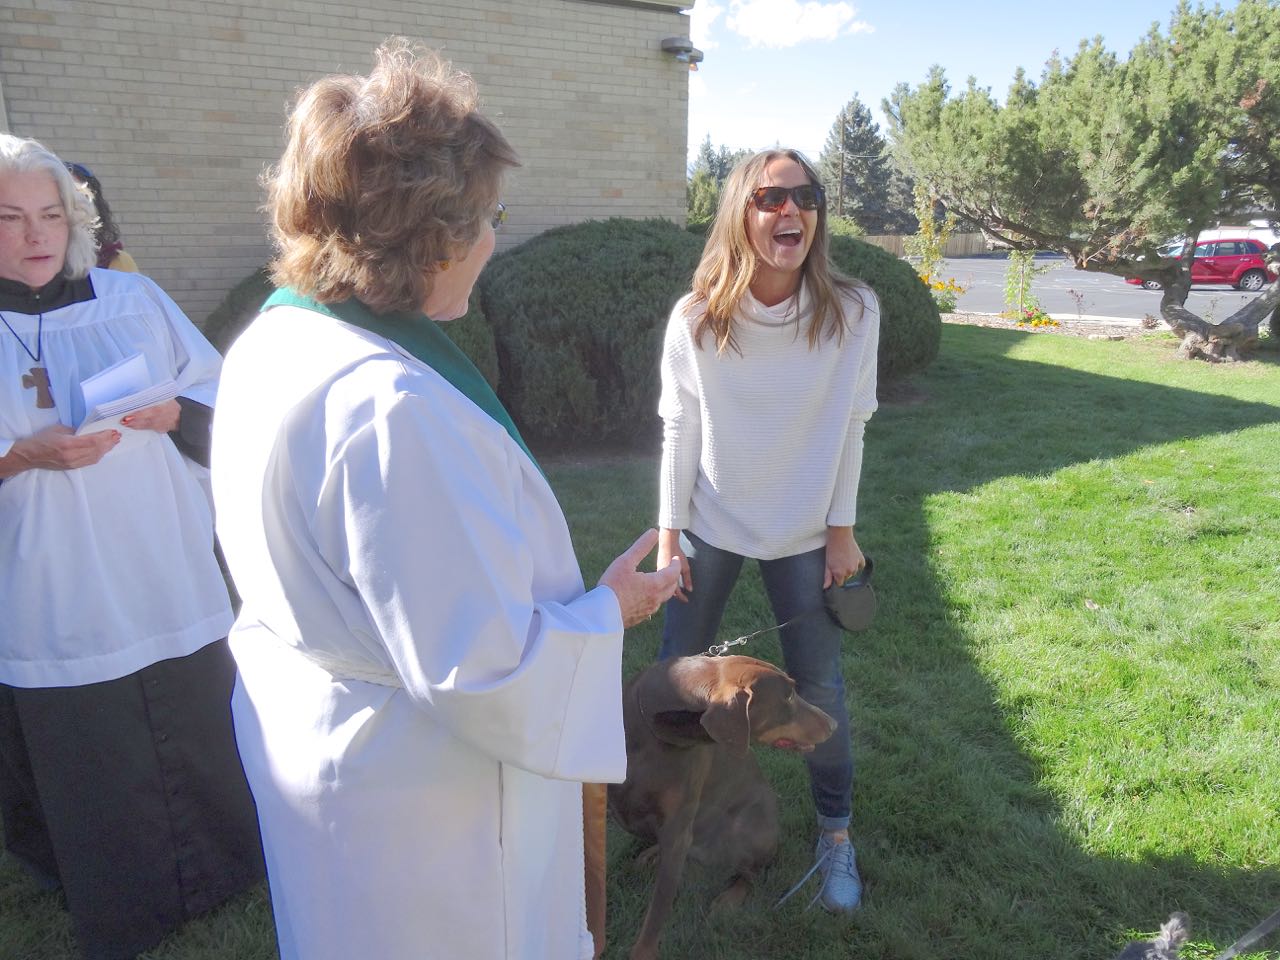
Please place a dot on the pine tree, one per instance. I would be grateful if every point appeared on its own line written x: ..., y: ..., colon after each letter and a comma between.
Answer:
x: 860, y: 177
x: 716, y: 163
x: 707, y: 174
x: 1107, y: 158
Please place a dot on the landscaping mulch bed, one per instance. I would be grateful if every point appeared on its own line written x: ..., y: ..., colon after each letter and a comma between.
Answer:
x: 1099, y: 329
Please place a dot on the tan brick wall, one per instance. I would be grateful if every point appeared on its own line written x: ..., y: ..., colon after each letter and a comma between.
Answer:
x: 178, y: 105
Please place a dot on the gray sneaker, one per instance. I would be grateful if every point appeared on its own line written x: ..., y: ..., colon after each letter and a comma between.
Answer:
x: 841, y: 886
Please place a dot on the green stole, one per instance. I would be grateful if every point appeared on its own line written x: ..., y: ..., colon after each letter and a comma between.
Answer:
x: 422, y: 337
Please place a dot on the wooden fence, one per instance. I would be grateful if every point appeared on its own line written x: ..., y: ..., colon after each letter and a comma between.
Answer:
x: 958, y: 245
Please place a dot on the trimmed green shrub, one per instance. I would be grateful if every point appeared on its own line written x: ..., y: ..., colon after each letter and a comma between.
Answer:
x: 474, y: 337
x: 238, y: 307
x: 844, y: 227
x: 579, y: 313
x: 910, y: 326
x: 471, y: 332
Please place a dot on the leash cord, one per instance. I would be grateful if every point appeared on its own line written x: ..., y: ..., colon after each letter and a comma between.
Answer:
x: 720, y: 649
x: 803, y: 880
x: 1252, y: 937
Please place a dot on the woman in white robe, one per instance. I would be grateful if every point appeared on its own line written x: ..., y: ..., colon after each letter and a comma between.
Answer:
x: 424, y: 681
x: 119, y: 779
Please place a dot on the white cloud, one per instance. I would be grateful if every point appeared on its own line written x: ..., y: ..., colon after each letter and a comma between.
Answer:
x: 785, y: 23
x: 701, y: 17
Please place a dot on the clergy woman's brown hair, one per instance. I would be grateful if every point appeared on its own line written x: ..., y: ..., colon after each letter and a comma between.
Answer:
x: 383, y: 179
x: 729, y: 262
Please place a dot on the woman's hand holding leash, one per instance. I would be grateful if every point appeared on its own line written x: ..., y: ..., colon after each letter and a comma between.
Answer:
x: 844, y: 556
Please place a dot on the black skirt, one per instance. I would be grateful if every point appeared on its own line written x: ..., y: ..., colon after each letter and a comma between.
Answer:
x: 129, y: 795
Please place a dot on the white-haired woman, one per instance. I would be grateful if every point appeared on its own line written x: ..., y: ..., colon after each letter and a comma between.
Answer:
x: 768, y: 379
x: 119, y: 779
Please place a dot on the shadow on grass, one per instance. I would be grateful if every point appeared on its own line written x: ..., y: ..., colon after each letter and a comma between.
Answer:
x: 962, y: 848
x: 964, y: 851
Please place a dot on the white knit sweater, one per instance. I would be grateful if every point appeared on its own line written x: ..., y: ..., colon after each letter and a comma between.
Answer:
x: 762, y: 447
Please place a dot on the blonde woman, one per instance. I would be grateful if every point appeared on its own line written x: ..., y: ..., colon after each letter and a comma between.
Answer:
x: 424, y: 679
x: 768, y: 379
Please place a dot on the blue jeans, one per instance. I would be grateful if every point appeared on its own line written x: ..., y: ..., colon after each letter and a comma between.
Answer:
x: 810, y: 650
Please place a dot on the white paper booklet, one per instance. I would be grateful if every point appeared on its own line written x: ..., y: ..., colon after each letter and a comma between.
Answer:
x: 118, y: 391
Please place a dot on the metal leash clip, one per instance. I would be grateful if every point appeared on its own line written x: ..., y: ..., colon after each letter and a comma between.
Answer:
x: 720, y: 649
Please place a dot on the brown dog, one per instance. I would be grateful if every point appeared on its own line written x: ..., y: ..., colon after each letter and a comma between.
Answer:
x: 692, y: 784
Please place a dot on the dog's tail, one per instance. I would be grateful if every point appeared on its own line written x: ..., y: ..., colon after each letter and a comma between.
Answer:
x: 1174, y: 933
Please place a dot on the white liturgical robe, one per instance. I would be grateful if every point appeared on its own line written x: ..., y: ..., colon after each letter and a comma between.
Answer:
x: 108, y: 568
x: 379, y: 525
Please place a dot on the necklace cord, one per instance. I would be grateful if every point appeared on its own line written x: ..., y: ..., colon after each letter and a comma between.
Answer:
x: 35, y: 357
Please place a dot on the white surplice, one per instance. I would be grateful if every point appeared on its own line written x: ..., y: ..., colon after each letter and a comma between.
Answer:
x: 376, y: 520
x: 107, y: 568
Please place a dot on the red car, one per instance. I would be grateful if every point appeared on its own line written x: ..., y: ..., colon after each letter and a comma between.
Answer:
x: 1238, y: 262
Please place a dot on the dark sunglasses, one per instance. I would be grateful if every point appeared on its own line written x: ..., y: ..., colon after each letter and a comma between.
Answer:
x: 499, y: 215
x: 808, y: 196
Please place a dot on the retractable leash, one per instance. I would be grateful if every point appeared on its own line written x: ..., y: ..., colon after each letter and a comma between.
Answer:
x: 851, y: 605
x: 720, y: 649
x: 805, y: 879
x: 1252, y: 937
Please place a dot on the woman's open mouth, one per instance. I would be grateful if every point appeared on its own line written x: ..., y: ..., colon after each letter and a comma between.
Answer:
x: 788, y: 238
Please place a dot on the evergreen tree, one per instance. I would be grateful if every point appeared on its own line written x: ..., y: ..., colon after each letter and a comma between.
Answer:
x: 706, y: 179
x: 705, y: 161
x: 861, y: 180
x: 703, y: 197
x: 716, y: 163
x: 1106, y: 158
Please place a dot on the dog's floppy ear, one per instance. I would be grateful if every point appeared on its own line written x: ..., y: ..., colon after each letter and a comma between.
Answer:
x: 728, y: 724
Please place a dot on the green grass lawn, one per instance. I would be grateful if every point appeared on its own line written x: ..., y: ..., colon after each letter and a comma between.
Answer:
x: 1067, y: 714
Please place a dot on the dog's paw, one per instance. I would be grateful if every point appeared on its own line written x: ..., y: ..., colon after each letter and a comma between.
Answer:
x: 648, y: 857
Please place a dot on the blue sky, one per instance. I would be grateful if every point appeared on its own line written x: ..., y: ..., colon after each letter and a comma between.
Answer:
x: 778, y: 71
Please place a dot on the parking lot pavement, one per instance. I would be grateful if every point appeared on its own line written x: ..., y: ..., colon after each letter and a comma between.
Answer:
x: 1067, y: 293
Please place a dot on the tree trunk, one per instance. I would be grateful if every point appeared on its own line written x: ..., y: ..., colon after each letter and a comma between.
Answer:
x: 1232, y: 339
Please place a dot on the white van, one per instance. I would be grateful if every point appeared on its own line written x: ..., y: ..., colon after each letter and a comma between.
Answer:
x: 1256, y: 230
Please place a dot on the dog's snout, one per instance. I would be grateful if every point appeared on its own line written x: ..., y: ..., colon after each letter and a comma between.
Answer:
x: 829, y: 721
x: 822, y: 722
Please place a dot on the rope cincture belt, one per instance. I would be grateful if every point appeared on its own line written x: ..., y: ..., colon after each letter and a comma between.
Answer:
x: 338, y: 668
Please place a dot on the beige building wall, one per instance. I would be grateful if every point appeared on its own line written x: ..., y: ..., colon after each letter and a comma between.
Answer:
x: 178, y: 105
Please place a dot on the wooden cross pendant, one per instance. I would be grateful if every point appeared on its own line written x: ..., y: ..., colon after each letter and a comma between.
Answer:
x: 39, y: 378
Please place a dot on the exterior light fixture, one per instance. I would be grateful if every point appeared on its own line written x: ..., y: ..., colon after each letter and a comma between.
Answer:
x: 683, y: 50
